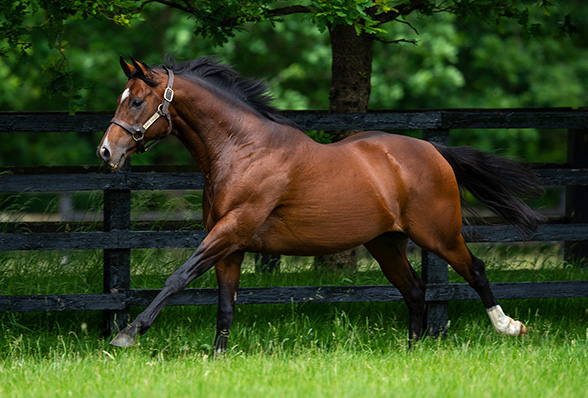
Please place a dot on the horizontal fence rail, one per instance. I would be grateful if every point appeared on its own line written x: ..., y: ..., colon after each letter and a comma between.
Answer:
x: 117, y: 238
x: 169, y: 239
x: 288, y: 295
x: 189, y: 180
x: 446, y: 119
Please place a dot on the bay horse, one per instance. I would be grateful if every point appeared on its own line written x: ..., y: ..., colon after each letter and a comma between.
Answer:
x: 270, y: 188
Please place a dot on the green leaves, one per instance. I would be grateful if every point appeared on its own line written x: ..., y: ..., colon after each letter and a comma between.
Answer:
x: 22, y: 19
x: 29, y: 26
x: 359, y: 13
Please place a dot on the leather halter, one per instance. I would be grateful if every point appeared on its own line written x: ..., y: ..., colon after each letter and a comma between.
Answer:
x: 137, y: 131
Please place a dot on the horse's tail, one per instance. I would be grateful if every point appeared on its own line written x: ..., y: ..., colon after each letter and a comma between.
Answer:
x: 499, y: 183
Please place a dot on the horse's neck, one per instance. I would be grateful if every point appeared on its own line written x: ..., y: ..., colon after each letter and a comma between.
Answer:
x: 211, y: 126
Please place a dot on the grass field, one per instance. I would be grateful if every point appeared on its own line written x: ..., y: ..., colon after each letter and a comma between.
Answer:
x: 306, y: 350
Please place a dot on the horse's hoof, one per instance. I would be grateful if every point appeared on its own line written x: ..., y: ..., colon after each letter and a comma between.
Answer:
x: 124, y: 339
x: 516, y: 328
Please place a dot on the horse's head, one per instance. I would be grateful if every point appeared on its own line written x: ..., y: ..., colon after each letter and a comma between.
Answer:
x: 142, y: 114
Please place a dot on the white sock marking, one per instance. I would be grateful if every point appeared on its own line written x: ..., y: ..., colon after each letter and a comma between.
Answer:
x: 504, y: 324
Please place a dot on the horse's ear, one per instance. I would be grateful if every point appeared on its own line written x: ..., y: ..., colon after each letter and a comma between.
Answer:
x: 141, y: 67
x: 127, y: 68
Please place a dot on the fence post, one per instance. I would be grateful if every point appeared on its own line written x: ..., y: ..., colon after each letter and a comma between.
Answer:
x: 434, y: 269
x: 576, y: 195
x: 117, y: 262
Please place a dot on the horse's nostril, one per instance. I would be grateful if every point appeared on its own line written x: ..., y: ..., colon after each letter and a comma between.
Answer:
x: 105, y: 153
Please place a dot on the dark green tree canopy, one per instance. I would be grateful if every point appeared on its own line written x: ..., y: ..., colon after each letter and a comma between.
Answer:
x: 353, y: 27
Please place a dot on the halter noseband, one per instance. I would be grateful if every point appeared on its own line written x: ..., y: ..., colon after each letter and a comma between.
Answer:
x: 137, y: 131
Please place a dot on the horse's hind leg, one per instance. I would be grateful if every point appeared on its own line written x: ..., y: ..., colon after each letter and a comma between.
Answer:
x: 473, y: 270
x: 389, y: 250
x: 228, y: 272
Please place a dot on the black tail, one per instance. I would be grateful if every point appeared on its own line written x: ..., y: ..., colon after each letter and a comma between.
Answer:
x: 499, y: 183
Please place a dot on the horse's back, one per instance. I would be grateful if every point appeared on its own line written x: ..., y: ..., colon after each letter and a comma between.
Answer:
x: 414, y: 162
x: 400, y: 147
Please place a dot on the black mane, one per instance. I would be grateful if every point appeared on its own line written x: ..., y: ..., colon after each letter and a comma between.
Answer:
x: 254, y: 93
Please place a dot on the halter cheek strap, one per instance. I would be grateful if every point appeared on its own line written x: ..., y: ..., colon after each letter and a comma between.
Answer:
x: 137, y: 131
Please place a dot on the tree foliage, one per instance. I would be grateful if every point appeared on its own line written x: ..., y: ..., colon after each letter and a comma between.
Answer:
x: 24, y: 22
x: 219, y: 19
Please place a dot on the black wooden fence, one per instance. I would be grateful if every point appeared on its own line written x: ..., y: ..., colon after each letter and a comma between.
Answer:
x: 117, y: 239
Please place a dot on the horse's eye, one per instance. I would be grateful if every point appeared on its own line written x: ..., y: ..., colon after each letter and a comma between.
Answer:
x: 136, y: 102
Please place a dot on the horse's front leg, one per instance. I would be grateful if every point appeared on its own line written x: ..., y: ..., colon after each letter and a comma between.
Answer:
x: 227, y: 237
x: 228, y: 272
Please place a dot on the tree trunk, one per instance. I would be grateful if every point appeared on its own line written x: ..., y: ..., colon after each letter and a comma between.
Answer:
x: 351, y: 72
x: 350, y: 93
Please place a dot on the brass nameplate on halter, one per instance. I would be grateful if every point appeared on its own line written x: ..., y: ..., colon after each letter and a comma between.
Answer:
x: 151, y: 120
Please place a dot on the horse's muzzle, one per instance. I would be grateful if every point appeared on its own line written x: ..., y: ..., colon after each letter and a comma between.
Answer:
x: 103, y: 153
x: 109, y: 158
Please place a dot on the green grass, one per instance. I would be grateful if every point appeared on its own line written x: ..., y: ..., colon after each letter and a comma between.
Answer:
x: 306, y: 350
x: 346, y: 350
x: 431, y: 371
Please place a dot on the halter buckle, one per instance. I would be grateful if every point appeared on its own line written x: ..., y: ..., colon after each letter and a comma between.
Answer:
x: 168, y: 94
